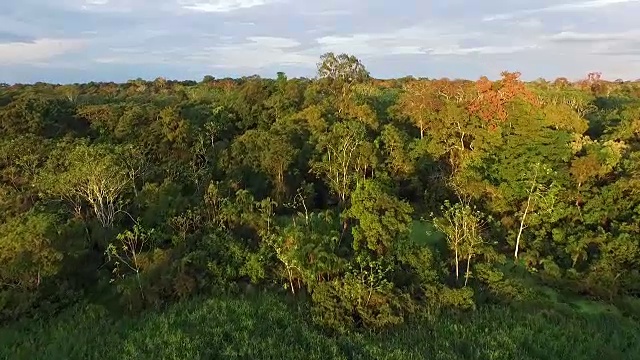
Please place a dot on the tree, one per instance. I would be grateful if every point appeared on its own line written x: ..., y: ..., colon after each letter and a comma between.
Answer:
x: 381, y: 218
x: 398, y: 152
x: 135, y: 163
x: 126, y: 253
x: 70, y: 92
x: 287, y: 97
x: 307, y: 247
x: 463, y: 227
x: 173, y: 126
x: 272, y: 151
x: 29, y: 250
x: 21, y: 158
x: 343, y: 68
x: 91, y: 174
x: 339, y: 150
x: 492, y: 101
x: 538, y: 194
x: 419, y: 102
x: 342, y: 85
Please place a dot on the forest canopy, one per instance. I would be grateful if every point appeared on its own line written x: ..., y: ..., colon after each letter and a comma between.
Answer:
x: 370, y: 199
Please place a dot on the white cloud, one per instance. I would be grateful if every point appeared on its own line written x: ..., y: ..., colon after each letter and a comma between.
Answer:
x: 403, y: 41
x: 531, y: 23
x: 274, y: 42
x: 222, y: 6
x: 480, y: 50
x: 328, y: 13
x: 583, y: 37
x: 38, y: 51
x: 258, y: 52
x: 130, y: 60
x: 541, y: 37
x: 566, y: 7
x: 254, y: 52
x: 414, y: 41
x: 107, y: 6
x: 615, y: 43
x: 140, y: 56
x: 627, y: 48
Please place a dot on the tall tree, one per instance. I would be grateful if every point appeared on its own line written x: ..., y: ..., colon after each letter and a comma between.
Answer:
x: 87, y: 174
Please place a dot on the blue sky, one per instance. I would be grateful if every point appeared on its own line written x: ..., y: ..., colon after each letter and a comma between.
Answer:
x: 82, y: 40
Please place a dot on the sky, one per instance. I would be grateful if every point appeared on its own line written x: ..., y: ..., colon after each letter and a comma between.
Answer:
x: 66, y: 41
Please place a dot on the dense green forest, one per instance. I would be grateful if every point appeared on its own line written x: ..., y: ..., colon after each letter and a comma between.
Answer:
x: 363, y: 218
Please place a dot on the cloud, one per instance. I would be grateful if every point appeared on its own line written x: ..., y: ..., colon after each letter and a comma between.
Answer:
x: 222, y: 6
x: 611, y: 44
x: 407, y: 41
x: 274, y: 42
x: 135, y: 55
x: 566, y: 7
x: 480, y: 50
x: 627, y: 48
x: 328, y: 13
x: 109, y: 6
x: 10, y: 37
x: 256, y: 53
x: 36, y: 51
x: 434, y: 41
x: 531, y: 23
x: 235, y: 37
x: 578, y: 37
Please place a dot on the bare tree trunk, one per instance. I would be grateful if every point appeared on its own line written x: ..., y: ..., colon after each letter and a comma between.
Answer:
x: 526, y: 211
x: 293, y: 290
x: 524, y: 217
x: 457, y: 265
x: 345, y: 226
x: 466, y: 275
x: 139, y: 284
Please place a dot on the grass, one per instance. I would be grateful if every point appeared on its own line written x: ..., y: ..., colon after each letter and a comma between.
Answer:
x: 265, y: 326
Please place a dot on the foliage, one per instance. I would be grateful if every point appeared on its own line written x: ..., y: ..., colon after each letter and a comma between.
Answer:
x: 263, y: 326
x: 382, y: 219
x: 178, y: 188
x: 90, y: 175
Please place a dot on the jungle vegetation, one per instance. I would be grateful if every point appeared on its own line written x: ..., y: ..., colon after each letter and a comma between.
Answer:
x: 366, y: 218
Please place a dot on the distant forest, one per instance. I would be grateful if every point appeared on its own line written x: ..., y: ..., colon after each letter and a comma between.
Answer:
x: 367, y: 200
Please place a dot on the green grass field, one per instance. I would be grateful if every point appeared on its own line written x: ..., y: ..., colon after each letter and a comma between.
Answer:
x: 266, y: 326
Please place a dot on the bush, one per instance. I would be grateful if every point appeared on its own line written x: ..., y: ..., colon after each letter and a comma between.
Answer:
x: 347, y: 304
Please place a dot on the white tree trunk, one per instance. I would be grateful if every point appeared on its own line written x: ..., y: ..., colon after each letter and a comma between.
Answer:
x: 466, y: 275
x: 524, y: 218
x: 457, y: 264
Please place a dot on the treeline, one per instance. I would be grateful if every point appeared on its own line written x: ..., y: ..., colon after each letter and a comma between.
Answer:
x: 373, y: 199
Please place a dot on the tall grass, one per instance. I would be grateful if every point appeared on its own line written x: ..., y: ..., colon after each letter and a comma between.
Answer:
x: 264, y: 326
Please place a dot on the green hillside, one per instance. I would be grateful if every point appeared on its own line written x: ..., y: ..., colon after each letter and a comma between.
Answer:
x: 264, y: 326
